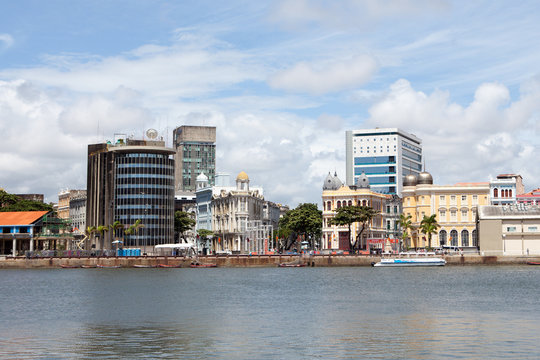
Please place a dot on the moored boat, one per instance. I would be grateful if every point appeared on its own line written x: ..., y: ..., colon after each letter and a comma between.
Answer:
x: 169, y: 266
x: 424, y: 261
x: 533, y: 263
x: 142, y: 266
x: 291, y: 265
x: 108, y: 266
x: 89, y: 266
x: 197, y: 265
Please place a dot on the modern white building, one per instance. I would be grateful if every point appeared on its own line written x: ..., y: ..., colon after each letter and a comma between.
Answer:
x: 386, y: 156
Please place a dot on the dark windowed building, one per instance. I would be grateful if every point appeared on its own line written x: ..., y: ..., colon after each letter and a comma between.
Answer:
x: 195, y: 154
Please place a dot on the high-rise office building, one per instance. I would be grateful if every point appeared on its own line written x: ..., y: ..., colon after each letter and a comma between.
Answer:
x: 195, y: 154
x: 131, y: 180
x: 384, y: 155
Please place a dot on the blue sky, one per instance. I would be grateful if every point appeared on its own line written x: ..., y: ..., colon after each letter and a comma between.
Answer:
x: 281, y: 80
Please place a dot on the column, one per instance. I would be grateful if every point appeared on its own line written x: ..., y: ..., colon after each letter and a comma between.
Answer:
x: 14, y: 250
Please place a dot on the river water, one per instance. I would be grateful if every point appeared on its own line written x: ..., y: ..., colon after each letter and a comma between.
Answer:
x: 482, y: 312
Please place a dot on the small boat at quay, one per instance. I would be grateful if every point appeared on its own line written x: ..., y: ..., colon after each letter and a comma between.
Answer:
x: 169, y: 266
x: 198, y: 265
x: 142, y: 266
x: 424, y: 261
x: 89, y: 266
x: 108, y: 266
x: 533, y: 263
x: 291, y: 265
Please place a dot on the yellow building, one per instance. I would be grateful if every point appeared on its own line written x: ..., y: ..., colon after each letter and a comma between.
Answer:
x: 455, y: 207
x: 335, y: 195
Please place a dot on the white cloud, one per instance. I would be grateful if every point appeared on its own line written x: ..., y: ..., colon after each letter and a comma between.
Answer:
x: 465, y: 143
x: 325, y: 77
x: 6, y: 41
x: 347, y: 14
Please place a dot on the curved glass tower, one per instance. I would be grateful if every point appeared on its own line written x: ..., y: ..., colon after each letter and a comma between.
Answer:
x: 132, y: 182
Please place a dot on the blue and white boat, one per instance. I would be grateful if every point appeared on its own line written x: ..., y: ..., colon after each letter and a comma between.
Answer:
x: 420, y: 261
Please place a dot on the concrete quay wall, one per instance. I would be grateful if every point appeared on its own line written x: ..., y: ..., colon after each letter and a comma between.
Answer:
x: 246, y: 261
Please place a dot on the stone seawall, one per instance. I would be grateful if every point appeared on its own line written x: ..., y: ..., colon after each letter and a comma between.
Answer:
x: 245, y: 261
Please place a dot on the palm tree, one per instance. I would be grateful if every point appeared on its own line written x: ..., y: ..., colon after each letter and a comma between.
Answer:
x: 429, y: 226
x: 88, y: 232
x: 117, y: 225
x: 406, y: 224
x: 102, y: 229
x: 138, y: 224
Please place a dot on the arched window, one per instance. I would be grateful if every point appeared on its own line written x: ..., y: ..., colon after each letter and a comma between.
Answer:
x: 464, y: 238
x: 495, y: 192
x: 510, y: 193
x: 474, y: 238
x: 505, y: 193
x: 350, y: 203
x: 364, y: 203
x: 454, y: 238
x: 329, y: 205
x: 442, y: 237
x: 338, y: 204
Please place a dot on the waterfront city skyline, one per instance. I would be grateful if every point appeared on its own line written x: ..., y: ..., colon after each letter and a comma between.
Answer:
x: 282, y: 82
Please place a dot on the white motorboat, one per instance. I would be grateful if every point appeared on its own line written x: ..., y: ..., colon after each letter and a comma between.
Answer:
x: 420, y: 261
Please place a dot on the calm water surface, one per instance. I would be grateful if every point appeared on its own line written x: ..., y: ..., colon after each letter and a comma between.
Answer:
x: 271, y: 313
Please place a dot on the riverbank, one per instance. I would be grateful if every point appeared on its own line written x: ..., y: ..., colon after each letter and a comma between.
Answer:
x: 244, y: 261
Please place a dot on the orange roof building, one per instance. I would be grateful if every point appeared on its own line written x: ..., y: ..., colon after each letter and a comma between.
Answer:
x: 17, y: 230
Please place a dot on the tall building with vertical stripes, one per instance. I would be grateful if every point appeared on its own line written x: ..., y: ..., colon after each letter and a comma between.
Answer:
x: 386, y: 156
x: 131, y: 180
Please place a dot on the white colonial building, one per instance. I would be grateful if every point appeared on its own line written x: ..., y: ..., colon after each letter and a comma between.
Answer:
x: 240, y: 218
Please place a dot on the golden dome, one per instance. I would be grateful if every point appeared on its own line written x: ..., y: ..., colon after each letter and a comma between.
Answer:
x: 242, y: 176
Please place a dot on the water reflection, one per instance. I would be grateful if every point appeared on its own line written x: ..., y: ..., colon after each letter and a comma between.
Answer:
x: 455, y: 312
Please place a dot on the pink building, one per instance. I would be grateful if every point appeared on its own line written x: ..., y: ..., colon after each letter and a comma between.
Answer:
x: 532, y: 198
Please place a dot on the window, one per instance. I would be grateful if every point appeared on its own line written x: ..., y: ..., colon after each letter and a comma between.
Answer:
x: 474, y: 238
x: 442, y: 198
x: 532, y: 229
x: 442, y: 237
x: 510, y: 229
x: 442, y: 215
x: 464, y: 215
x: 495, y: 192
x: 453, y: 215
x: 463, y: 197
x: 464, y: 238
x: 454, y: 238
x: 453, y: 199
x: 475, y: 199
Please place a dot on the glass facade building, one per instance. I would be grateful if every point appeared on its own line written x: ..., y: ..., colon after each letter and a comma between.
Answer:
x: 384, y: 155
x: 128, y: 182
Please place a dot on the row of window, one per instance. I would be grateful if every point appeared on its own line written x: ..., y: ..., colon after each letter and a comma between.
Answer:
x: 529, y: 228
x: 505, y: 193
x: 454, y: 239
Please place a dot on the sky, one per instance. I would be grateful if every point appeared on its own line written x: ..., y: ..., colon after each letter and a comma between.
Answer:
x: 281, y: 80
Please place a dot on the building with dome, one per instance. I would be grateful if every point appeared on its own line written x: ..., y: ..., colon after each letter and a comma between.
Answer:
x: 240, y: 218
x: 382, y: 230
x: 455, y: 207
x: 386, y: 156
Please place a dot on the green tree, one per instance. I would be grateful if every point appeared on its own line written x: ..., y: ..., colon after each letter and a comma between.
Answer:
x: 89, y: 232
x: 346, y: 215
x: 10, y: 202
x: 204, y: 235
x: 183, y: 221
x: 365, y: 214
x: 305, y: 220
x: 136, y: 227
x: 406, y: 224
x: 429, y: 226
x: 102, y: 230
x: 117, y: 225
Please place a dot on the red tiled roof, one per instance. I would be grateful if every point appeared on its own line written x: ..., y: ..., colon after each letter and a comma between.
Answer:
x: 534, y: 193
x: 20, y: 217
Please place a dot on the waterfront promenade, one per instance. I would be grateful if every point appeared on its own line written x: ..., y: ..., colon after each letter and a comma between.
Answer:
x: 232, y: 261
